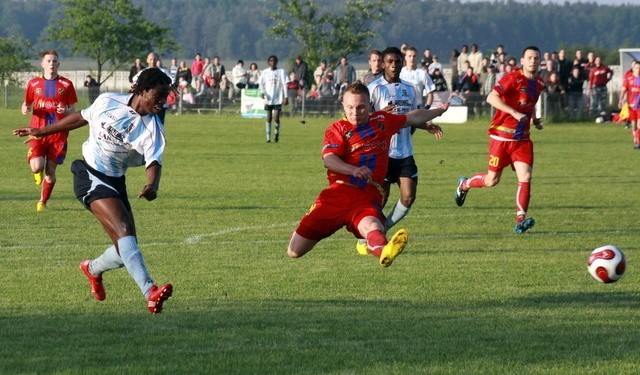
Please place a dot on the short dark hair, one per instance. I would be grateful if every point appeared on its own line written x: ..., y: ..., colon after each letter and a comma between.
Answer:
x: 150, y: 78
x: 532, y: 48
x: 392, y: 51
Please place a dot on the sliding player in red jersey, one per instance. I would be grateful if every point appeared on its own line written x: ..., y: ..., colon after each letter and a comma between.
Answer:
x: 356, y: 154
x: 514, y: 97
x: 50, y: 98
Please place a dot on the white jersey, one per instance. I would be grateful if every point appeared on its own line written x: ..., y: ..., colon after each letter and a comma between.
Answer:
x: 420, y: 80
x: 119, y: 137
x: 273, y: 85
x: 403, y: 95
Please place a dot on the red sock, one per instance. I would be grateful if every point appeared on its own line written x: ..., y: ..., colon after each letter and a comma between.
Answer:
x: 47, y: 188
x: 522, y: 199
x: 477, y: 181
x: 376, y: 241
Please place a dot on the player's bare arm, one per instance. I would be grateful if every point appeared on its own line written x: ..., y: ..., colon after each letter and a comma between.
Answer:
x: 419, y: 117
x: 496, y: 102
x: 73, y: 121
x: 335, y: 164
x: 150, y: 190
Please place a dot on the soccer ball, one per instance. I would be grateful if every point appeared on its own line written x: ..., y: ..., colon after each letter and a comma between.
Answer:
x: 607, y: 264
x: 599, y: 120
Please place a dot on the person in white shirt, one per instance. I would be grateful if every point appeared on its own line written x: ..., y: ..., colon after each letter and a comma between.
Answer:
x: 418, y: 77
x: 390, y: 93
x: 240, y: 75
x: 273, y: 86
x: 124, y: 131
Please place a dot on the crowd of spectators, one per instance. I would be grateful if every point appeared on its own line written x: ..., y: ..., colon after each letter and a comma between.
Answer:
x: 576, y: 86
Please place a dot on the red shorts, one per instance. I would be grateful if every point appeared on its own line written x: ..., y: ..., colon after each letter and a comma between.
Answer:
x: 337, y: 206
x: 504, y: 153
x: 634, y: 114
x: 51, y: 148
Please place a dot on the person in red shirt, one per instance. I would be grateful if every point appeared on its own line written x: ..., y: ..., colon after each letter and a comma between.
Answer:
x: 599, y: 76
x: 356, y: 154
x: 197, y: 66
x: 49, y: 98
x: 514, y: 97
x: 630, y: 94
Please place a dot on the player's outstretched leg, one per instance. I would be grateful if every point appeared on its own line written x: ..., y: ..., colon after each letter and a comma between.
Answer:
x: 460, y: 194
x: 394, y: 248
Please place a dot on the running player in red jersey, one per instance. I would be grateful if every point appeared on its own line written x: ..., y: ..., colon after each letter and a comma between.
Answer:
x: 514, y: 97
x: 631, y: 94
x: 356, y: 154
x: 50, y: 98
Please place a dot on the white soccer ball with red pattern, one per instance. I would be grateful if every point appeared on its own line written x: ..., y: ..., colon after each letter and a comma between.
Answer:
x: 607, y: 264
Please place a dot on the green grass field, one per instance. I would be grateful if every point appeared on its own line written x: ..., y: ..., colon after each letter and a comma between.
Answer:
x: 466, y: 297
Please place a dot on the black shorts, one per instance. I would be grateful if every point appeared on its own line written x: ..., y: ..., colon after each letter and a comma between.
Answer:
x: 273, y: 107
x: 401, y: 168
x: 90, y: 185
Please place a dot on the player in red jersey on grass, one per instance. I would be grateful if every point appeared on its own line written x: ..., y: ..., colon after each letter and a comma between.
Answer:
x: 630, y: 95
x: 356, y: 154
x: 514, y: 97
x: 50, y: 98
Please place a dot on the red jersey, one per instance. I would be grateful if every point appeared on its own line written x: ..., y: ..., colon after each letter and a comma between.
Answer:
x: 599, y: 76
x: 45, y: 95
x: 362, y: 145
x: 632, y: 84
x: 521, y: 94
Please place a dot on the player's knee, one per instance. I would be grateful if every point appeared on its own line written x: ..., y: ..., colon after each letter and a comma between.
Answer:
x: 408, y: 201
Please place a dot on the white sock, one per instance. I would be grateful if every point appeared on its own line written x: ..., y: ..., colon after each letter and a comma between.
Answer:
x: 132, y: 258
x: 267, y: 129
x: 277, y: 128
x: 109, y: 260
x: 398, y: 213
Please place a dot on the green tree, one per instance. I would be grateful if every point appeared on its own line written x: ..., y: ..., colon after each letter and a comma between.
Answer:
x: 325, y: 34
x: 13, y: 58
x: 108, y: 31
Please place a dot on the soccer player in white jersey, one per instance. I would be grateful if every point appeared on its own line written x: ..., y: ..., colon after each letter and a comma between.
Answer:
x: 124, y: 131
x: 418, y: 77
x: 390, y: 93
x: 273, y: 86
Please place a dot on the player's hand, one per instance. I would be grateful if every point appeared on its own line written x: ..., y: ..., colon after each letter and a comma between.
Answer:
x: 286, y: 101
x: 390, y: 108
x: 363, y: 173
x: 149, y: 192
x: 444, y: 105
x: 61, y: 109
x: 435, y: 130
x: 538, y: 123
x: 25, y: 109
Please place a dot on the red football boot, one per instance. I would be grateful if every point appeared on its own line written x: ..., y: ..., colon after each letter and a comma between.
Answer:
x: 97, y: 289
x: 157, y: 296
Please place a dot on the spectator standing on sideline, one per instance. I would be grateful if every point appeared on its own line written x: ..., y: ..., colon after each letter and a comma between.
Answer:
x: 464, y: 57
x: 301, y: 70
x: 439, y: 82
x: 124, y: 131
x: 218, y: 71
x: 489, y: 80
x: 173, y: 70
x: 327, y: 92
x: 453, y: 61
x: 207, y: 74
x: 417, y: 77
x: 49, y: 98
x: 93, y: 88
x: 355, y: 154
x: 427, y: 59
x: 575, y: 91
x: 135, y: 69
x: 514, y: 97
x: 320, y: 72
x: 239, y: 77
x: 344, y: 74
x: 564, y: 67
x: 630, y: 95
x: 273, y: 86
x: 375, y: 67
x: 253, y: 80
x: 390, y: 93
x: 599, y: 76
x: 475, y: 59
x: 196, y: 70
x: 435, y: 64
x: 184, y: 73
